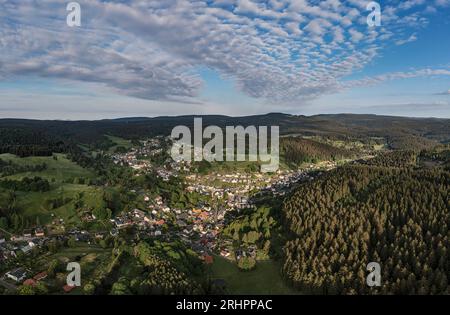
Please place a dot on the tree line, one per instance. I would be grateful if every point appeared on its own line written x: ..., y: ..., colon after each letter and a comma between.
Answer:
x: 298, y: 150
x: 34, y: 184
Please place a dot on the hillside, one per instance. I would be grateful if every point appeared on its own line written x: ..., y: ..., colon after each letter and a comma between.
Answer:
x: 400, y: 133
x: 395, y: 216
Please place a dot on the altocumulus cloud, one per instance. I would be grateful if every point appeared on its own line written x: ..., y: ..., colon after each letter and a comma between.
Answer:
x: 282, y: 50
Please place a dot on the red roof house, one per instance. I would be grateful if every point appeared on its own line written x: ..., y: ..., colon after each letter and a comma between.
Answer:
x: 208, y: 259
x: 29, y: 282
x: 40, y: 276
x: 68, y: 288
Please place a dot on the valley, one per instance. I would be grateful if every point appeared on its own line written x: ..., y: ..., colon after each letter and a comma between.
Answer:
x: 139, y: 222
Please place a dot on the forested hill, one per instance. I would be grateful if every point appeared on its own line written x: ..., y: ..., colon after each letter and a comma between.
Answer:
x: 400, y: 133
x: 396, y: 216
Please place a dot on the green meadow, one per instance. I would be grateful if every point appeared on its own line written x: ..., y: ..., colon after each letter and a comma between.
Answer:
x: 33, y: 204
x: 63, y: 176
x: 264, y: 279
x: 58, y: 168
x: 119, y: 142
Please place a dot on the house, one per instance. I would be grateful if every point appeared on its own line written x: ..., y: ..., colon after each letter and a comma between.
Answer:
x: 17, y: 275
x: 204, y: 241
x: 26, y: 249
x: 138, y: 213
x: 99, y: 235
x: 158, y: 200
x: 39, y: 232
x: 208, y: 259
x: 184, y: 216
x: 29, y: 282
x: 68, y: 288
x: 121, y: 223
x: 27, y: 234
x: 40, y: 276
x: 88, y: 217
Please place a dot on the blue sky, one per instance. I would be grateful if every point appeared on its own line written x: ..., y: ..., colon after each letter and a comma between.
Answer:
x: 233, y: 57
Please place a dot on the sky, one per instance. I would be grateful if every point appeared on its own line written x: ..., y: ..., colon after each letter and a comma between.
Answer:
x: 235, y: 57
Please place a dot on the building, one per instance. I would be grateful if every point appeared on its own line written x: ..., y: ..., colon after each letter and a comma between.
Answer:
x: 26, y: 249
x: 39, y: 233
x: 68, y: 288
x: 17, y: 275
x: 29, y: 282
x: 208, y: 259
x: 40, y: 276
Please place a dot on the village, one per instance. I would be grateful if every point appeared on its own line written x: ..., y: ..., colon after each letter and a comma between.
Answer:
x: 199, y: 227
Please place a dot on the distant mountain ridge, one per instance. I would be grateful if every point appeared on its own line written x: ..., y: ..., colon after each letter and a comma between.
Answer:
x: 403, y: 130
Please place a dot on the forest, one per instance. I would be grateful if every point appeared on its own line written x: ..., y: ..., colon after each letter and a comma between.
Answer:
x: 298, y: 150
x: 8, y: 168
x: 396, y: 216
x: 26, y: 184
x: 394, y: 159
x: 36, y: 137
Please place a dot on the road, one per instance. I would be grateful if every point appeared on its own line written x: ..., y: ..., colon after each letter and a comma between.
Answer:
x: 7, y: 285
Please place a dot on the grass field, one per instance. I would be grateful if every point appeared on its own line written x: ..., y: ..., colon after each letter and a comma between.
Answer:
x: 90, y: 257
x: 86, y: 253
x: 61, y: 173
x: 119, y: 142
x: 265, y: 279
x: 33, y: 203
x: 59, y: 169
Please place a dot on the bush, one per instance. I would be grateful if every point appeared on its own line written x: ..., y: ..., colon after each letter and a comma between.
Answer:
x: 246, y: 263
x: 89, y: 289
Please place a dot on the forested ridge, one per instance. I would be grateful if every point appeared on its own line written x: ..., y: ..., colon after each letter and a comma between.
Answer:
x: 29, y: 142
x: 394, y: 159
x: 398, y: 217
x: 162, y: 276
x: 35, y: 137
x: 298, y: 150
x: 8, y: 168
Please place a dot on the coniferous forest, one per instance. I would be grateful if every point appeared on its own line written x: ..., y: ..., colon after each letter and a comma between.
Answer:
x: 395, y: 216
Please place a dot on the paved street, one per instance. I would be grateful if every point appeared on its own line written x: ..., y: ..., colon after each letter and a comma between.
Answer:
x: 7, y: 285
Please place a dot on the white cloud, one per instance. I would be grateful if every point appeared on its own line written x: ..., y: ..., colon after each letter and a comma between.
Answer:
x: 410, y: 39
x: 283, y: 50
x: 442, y: 3
x: 396, y: 76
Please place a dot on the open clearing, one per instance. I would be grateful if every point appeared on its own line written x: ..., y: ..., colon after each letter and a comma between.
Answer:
x: 264, y: 279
